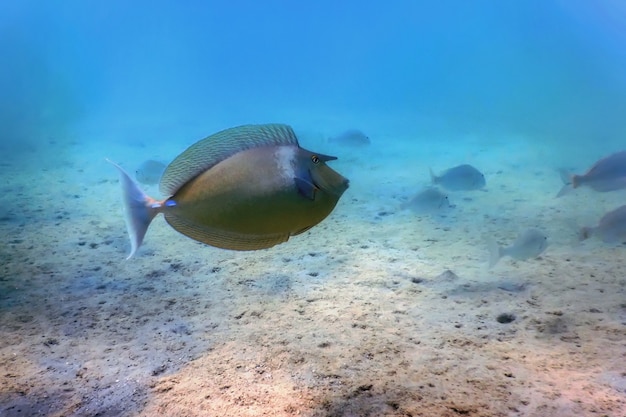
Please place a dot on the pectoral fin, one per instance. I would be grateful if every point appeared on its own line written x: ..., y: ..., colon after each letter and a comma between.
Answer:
x: 306, y: 188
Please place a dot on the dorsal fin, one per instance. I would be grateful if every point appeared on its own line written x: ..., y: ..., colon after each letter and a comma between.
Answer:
x: 206, y: 153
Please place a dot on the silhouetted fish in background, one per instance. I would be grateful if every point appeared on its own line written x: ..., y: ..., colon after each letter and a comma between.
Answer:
x: 529, y: 244
x: 245, y: 188
x: 149, y: 172
x: 611, y: 228
x: 459, y: 178
x: 607, y: 174
x: 352, y: 137
x: 428, y: 201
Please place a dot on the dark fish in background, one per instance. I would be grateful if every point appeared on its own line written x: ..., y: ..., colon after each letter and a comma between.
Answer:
x: 428, y: 201
x: 150, y: 172
x: 610, y: 229
x: 529, y: 244
x: 607, y: 174
x: 352, y: 137
x: 245, y: 188
x: 459, y: 178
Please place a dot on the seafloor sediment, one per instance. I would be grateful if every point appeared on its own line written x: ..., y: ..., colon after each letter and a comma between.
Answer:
x: 375, y: 312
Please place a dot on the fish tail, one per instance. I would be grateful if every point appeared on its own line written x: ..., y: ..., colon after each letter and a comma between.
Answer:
x: 433, y: 177
x: 495, y: 253
x: 585, y: 233
x: 564, y: 190
x: 566, y: 177
x: 572, y: 182
x: 139, y: 209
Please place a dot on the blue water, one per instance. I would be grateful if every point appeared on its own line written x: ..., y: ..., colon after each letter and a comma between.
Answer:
x: 552, y: 70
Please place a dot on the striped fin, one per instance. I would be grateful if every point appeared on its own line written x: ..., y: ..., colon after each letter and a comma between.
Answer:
x: 209, y: 151
x: 139, y: 209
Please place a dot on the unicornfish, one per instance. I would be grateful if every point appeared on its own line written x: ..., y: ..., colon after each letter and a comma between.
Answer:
x: 611, y: 228
x: 351, y: 138
x: 149, y: 172
x: 245, y: 188
x: 529, y: 244
x: 459, y: 178
x: 607, y: 174
x: 428, y: 201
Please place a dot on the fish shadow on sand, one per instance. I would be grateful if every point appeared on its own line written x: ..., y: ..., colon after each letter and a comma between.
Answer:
x: 368, y: 400
x: 450, y: 284
x: 18, y: 404
x: 269, y: 285
x: 108, y: 322
x: 117, y: 400
x: 509, y: 286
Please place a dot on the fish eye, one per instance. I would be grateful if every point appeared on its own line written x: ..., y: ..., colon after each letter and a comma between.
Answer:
x: 315, y: 159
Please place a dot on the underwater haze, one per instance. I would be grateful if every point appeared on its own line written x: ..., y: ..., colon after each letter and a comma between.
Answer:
x: 548, y: 69
x: 463, y: 254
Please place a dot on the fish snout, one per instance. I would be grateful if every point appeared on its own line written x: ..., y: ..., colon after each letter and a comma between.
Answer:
x: 331, y: 181
x: 339, y: 186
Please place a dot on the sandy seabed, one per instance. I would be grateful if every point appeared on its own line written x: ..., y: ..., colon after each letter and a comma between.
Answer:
x: 375, y: 312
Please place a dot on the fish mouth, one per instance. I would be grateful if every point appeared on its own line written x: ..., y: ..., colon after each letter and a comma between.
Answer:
x: 346, y: 185
x: 330, y: 181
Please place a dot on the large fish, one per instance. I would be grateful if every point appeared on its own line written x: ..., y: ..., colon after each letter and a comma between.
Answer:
x: 428, y: 201
x: 459, y: 178
x: 607, y: 174
x: 351, y: 138
x: 150, y: 171
x: 245, y: 188
x: 611, y: 228
x: 529, y: 244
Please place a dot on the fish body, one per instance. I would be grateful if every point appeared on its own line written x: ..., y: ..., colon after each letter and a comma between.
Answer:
x: 245, y: 188
x: 428, y: 201
x: 149, y: 172
x: 528, y: 244
x: 459, y: 178
x: 611, y: 228
x: 607, y: 174
x: 351, y: 138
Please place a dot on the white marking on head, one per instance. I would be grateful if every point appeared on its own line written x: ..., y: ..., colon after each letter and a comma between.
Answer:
x: 285, y: 157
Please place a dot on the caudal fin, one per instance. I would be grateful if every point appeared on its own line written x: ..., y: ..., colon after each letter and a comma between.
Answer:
x: 495, y: 253
x: 585, y: 233
x: 433, y: 177
x: 566, y: 177
x: 139, y: 209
